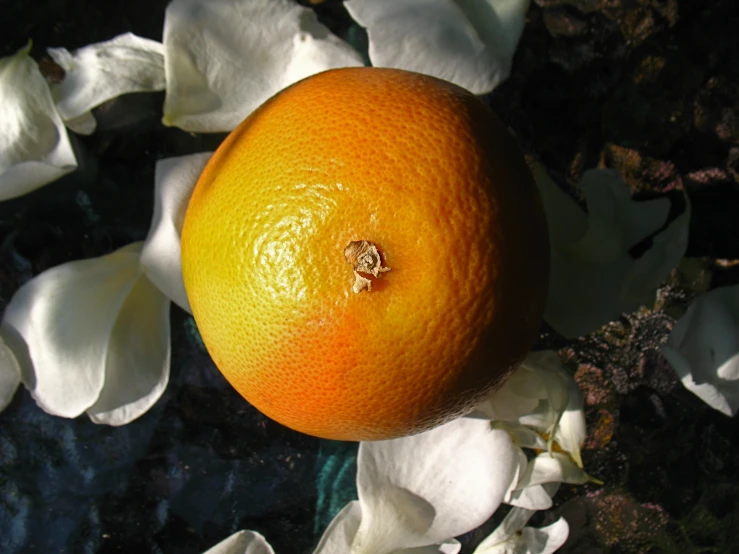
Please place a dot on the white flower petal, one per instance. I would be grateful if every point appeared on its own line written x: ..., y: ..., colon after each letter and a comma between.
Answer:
x: 425, y: 489
x: 534, y: 497
x: 703, y: 348
x: 615, y: 222
x: 137, y: 362
x: 468, y: 42
x: 583, y: 296
x: 452, y: 546
x: 521, y: 464
x: 593, y: 277
x: 84, y: 124
x: 65, y: 316
x: 553, y: 468
x: 242, y: 542
x: 505, y: 405
x: 571, y: 430
x: 543, y: 419
x: 540, y: 397
x: 100, y: 72
x: 512, y: 523
x: 653, y: 267
x: 540, y: 376
x: 175, y: 179
x: 546, y: 540
x: 511, y: 537
x: 34, y: 145
x: 10, y: 375
x: 529, y: 497
x: 535, y: 395
x: 340, y: 533
x: 560, y: 414
x: 521, y: 435
x: 535, y: 379
x: 566, y: 220
x: 545, y: 369
x: 225, y: 57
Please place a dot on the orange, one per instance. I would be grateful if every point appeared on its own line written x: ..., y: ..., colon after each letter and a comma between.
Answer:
x: 428, y: 176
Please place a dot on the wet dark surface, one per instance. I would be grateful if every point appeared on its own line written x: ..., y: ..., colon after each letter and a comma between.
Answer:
x: 650, y: 87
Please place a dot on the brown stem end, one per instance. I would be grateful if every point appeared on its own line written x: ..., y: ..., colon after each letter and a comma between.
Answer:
x: 365, y: 259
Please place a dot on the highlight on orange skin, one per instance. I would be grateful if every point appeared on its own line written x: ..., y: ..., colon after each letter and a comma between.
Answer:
x: 414, y: 166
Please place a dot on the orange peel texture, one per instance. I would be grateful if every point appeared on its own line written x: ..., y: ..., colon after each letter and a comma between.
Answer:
x: 423, y: 171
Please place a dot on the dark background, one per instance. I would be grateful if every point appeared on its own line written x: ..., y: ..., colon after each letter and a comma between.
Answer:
x: 650, y: 87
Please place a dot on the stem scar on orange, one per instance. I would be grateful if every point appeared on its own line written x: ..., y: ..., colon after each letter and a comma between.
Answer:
x: 383, y: 169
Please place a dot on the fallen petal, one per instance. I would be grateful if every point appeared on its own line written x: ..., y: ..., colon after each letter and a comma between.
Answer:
x: 425, y: 489
x: 452, y: 546
x: 100, y: 72
x: 652, y: 268
x: 506, y: 405
x: 137, y: 362
x: 520, y: 468
x: 34, y: 145
x: 66, y: 316
x: 534, y: 497
x: 511, y: 537
x: 566, y: 220
x: 540, y: 399
x: 560, y: 415
x: 571, y: 431
x: 242, y: 542
x: 535, y: 379
x: 593, y: 278
x: 10, y: 375
x: 468, y: 42
x: 512, y: 523
x: 615, y: 222
x: 522, y: 436
x: 583, y: 297
x: 175, y: 180
x: 546, y: 540
x: 703, y: 348
x: 84, y: 124
x: 544, y: 370
x: 556, y: 467
x: 225, y: 58
x: 340, y: 533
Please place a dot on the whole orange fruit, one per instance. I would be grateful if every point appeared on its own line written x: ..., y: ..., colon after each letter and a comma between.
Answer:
x: 309, y: 201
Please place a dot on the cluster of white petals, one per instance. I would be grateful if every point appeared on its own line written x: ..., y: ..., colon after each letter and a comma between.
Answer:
x: 541, y: 408
x: 468, y: 42
x: 703, y: 348
x: 416, y: 494
x: 100, y: 72
x: 594, y: 278
x: 226, y: 57
x: 513, y: 536
x: 543, y: 396
x: 34, y: 145
x: 93, y: 335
